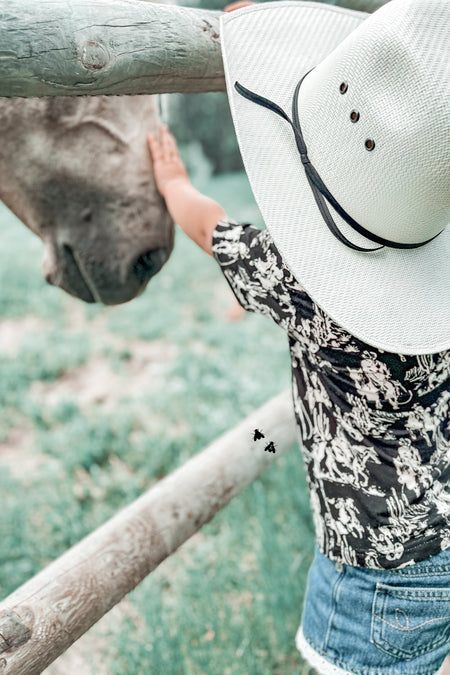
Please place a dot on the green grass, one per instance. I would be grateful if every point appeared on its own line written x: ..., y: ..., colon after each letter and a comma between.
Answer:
x: 230, y: 600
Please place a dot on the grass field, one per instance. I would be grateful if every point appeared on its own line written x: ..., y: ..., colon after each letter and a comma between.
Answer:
x: 97, y: 404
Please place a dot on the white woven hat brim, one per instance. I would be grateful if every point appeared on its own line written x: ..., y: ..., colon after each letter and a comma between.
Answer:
x: 395, y: 300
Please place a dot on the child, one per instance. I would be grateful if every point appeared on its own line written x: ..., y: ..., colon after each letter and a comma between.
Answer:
x: 371, y: 386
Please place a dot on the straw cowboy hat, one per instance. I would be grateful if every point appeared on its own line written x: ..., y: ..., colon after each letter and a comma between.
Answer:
x: 343, y: 122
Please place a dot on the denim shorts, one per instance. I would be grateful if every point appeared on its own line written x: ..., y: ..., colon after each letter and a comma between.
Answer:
x: 361, y: 621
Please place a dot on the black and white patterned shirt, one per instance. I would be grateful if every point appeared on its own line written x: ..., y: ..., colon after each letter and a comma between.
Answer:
x: 374, y: 426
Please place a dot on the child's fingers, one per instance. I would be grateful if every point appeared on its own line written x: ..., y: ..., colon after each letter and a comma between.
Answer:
x: 153, y: 141
x: 172, y: 144
x: 168, y: 142
x: 237, y: 5
x: 164, y: 134
x: 155, y: 147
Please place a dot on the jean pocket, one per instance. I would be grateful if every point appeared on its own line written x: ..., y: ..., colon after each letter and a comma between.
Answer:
x: 409, y: 622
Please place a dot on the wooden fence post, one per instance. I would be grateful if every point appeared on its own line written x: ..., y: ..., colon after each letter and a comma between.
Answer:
x: 42, y: 618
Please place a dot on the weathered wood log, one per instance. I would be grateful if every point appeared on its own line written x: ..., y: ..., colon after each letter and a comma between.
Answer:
x: 42, y: 618
x: 85, y: 47
x: 89, y: 47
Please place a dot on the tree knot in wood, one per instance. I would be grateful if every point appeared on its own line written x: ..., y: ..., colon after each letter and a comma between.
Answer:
x: 94, y: 55
x: 13, y: 631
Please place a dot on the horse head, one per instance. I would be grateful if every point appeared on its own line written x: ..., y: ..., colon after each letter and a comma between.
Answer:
x: 77, y: 172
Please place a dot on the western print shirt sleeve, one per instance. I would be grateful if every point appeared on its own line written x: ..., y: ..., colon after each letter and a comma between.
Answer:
x: 255, y: 271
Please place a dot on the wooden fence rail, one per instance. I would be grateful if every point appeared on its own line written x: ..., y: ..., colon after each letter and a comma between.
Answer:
x: 42, y: 618
x: 86, y: 47
x: 92, y: 47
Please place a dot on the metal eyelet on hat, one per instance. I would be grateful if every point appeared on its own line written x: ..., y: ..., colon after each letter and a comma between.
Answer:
x: 369, y: 144
x: 343, y: 87
x: 354, y: 116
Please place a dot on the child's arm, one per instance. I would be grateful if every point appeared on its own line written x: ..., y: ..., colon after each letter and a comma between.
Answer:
x: 237, y: 5
x: 247, y: 255
x: 195, y: 213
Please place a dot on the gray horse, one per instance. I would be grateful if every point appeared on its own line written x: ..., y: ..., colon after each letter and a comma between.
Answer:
x: 77, y: 172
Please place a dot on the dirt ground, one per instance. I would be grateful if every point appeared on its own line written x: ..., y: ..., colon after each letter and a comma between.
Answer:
x: 93, y: 382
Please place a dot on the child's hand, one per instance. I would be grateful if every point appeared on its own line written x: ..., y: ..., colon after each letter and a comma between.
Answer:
x: 167, y: 164
x: 238, y: 5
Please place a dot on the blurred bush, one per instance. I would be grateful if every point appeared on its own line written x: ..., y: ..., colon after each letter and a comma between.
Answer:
x: 206, y: 119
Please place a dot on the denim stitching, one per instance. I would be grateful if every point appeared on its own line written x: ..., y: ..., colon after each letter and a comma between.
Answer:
x: 409, y: 630
x: 372, y: 620
x: 413, y: 592
x: 383, y: 593
x: 335, y: 593
x: 440, y: 570
x: 393, y: 651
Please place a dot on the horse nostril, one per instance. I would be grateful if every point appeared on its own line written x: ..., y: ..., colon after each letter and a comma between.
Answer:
x: 149, y: 263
